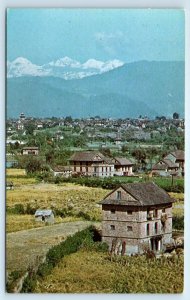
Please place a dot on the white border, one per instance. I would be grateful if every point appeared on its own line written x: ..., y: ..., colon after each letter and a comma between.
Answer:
x: 107, y: 4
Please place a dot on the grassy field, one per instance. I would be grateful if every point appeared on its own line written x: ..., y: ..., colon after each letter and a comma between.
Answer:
x: 15, y: 172
x: 60, y: 196
x: 94, y: 272
x: 75, y: 201
x: 23, y: 222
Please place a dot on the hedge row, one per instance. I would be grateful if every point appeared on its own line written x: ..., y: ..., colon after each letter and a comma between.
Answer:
x: 112, y: 182
x: 84, y: 238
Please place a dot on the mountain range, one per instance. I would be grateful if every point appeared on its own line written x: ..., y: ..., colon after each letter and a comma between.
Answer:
x: 141, y: 88
x: 65, y: 68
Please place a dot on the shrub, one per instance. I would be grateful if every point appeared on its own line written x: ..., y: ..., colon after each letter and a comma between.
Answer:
x: 178, y: 222
x: 56, y: 253
x: 18, y: 209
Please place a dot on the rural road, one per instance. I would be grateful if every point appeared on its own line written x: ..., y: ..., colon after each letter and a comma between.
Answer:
x: 23, y: 247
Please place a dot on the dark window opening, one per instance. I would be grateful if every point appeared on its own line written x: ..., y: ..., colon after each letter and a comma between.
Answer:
x: 156, y: 227
x: 147, y: 229
x: 113, y: 211
x: 129, y: 212
x: 112, y: 227
x: 119, y: 195
x: 129, y: 228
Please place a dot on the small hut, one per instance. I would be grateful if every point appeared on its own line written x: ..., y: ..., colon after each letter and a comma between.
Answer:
x: 9, y: 185
x: 44, y: 215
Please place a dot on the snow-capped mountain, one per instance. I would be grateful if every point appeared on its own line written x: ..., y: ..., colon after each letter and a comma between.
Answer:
x: 65, y: 68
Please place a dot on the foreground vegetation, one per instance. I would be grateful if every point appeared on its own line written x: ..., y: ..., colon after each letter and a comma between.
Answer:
x: 82, y: 264
x: 95, y: 272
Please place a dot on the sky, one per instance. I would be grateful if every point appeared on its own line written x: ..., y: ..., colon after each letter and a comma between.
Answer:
x: 43, y: 35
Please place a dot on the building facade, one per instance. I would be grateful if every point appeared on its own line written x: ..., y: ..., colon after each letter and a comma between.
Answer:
x: 30, y: 151
x: 123, y: 166
x: 91, y: 163
x: 136, y: 217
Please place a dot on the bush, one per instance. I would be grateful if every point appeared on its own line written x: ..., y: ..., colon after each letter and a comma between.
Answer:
x: 12, y: 279
x: 56, y: 253
x: 178, y: 222
x: 17, y: 209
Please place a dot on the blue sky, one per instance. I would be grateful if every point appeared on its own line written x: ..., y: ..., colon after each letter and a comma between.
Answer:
x: 43, y: 35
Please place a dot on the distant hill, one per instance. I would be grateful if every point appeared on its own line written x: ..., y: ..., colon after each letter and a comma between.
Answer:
x: 146, y: 88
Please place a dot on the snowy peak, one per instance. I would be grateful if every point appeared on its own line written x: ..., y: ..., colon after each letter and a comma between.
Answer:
x: 66, y: 68
x: 23, y: 67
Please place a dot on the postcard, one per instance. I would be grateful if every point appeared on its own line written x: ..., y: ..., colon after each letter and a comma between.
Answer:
x: 95, y: 150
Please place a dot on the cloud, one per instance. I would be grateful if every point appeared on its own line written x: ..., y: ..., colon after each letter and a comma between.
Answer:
x: 109, y: 41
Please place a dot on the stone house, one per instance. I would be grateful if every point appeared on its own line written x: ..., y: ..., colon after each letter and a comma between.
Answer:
x: 137, y: 216
x: 123, y: 166
x: 165, y: 167
x: 91, y: 163
x: 30, y: 151
x: 172, y: 164
x: 177, y: 157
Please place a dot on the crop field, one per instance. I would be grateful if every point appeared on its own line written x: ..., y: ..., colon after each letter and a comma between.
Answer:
x: 95, y: 272
x: 23, y: 222
x: 56, y: 196
x: 15, y: 172
x: 69, y: 202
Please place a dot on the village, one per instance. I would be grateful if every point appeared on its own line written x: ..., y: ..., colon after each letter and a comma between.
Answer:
x: 124, y: 176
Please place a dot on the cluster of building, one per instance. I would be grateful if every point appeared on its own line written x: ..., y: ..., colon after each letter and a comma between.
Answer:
x: 171, y: 164
x: 94, y: 163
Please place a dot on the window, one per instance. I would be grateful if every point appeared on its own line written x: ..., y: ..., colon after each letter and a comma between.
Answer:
x: 155, y: 213
x: 156, y: 227
x: 163, y: 210
x: 147, y: 229
x: 129, y: 212
x: 119, y: 195
x: 129, y: 228
x: 112, y: 211
x: 112, y: 227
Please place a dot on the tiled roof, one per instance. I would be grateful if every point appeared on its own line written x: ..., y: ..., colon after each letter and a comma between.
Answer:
x: 87, y: 156
x: 144, y: 194
x: 43, y: 212
x: 179, y: 154
x: 30, y: 148
x: 61, y: 168
x: 122, y: 161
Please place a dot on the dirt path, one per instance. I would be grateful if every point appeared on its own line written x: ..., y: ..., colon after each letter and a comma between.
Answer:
x: 23, y: 247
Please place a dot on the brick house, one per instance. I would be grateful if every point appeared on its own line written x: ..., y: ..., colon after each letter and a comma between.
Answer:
x: 123, y: 166
x: 172, y: 163
x: 30, y: 151
x: 165, y: 167
x: 91, y: 163
x: 177, y: 157
x: 137, y: 216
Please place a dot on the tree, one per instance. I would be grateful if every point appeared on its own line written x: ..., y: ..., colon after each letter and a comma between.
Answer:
x: 33, y: 165
x: 68, y: 119
x: 30, y: 127
x: 140, y: 156
x: 175, y: 116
